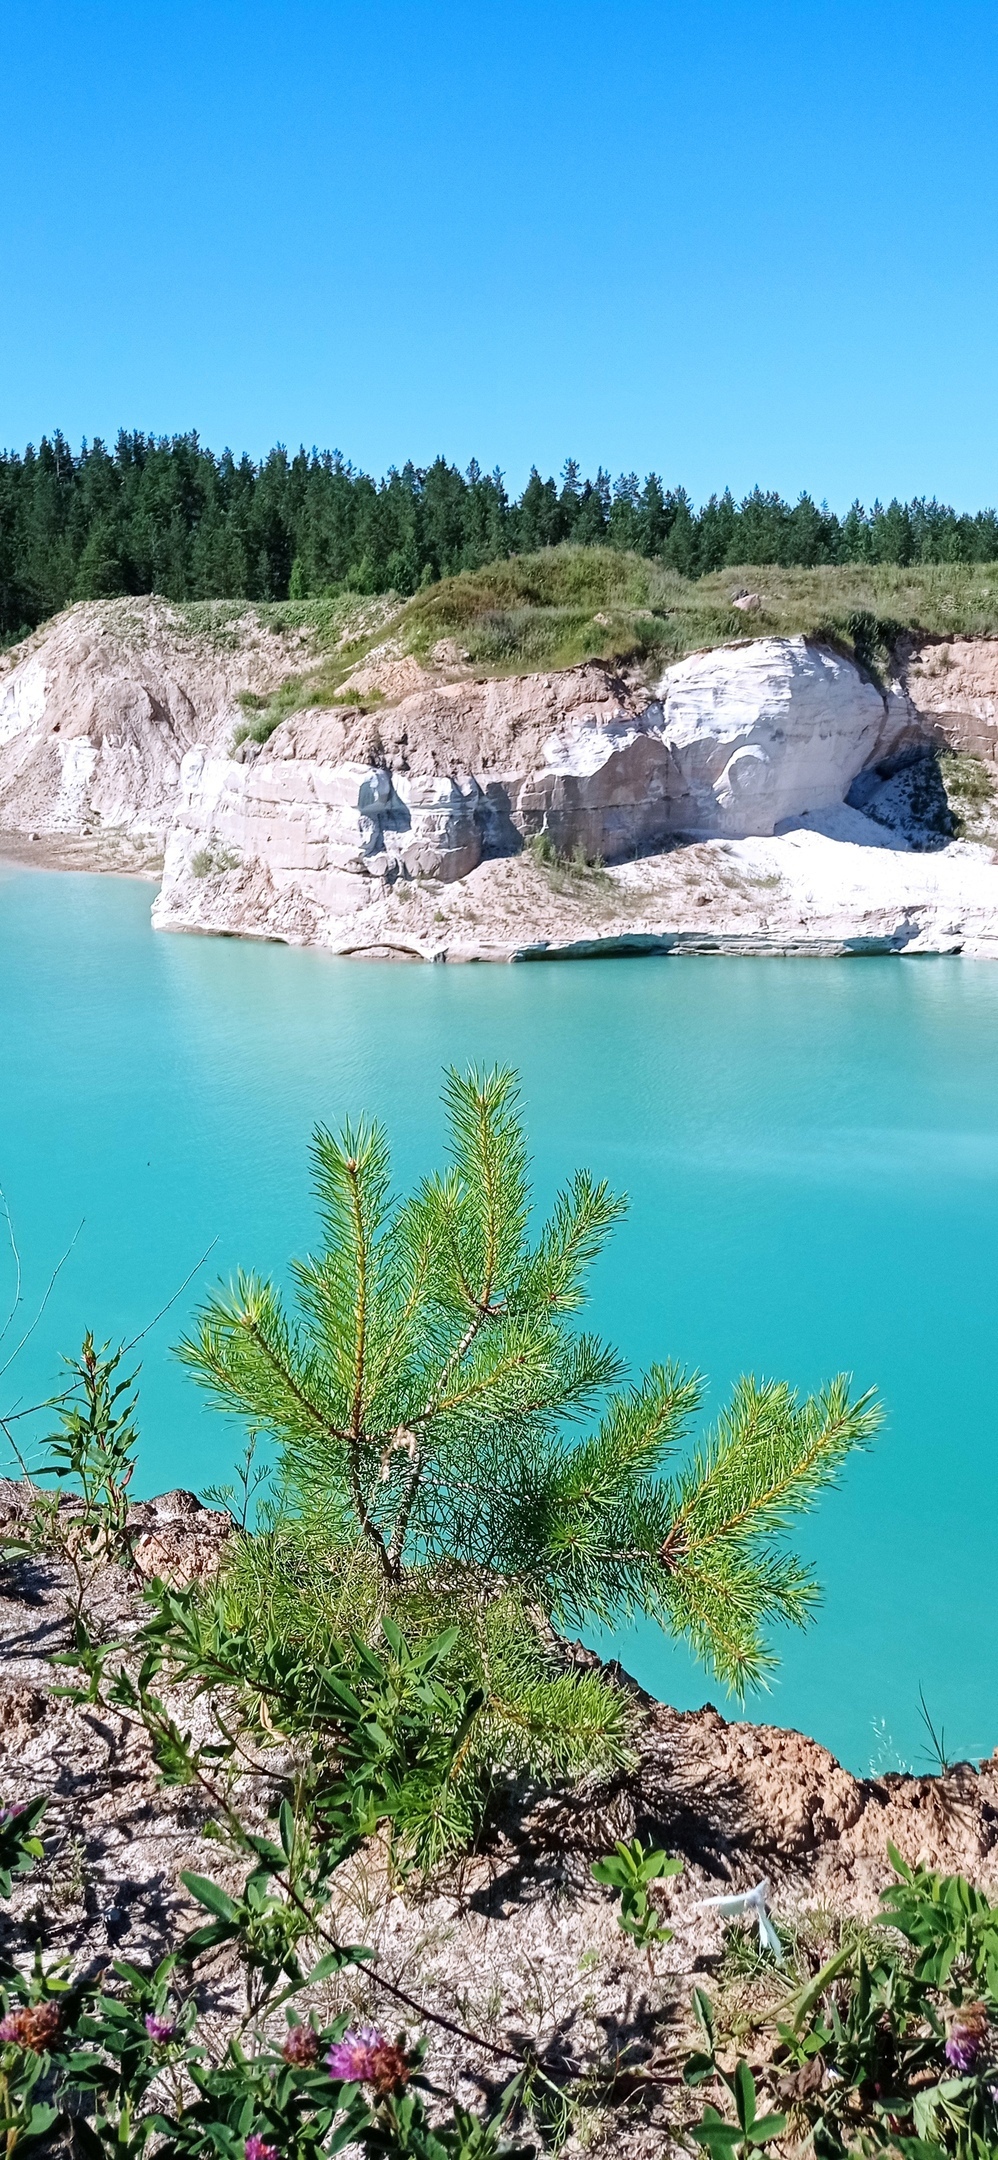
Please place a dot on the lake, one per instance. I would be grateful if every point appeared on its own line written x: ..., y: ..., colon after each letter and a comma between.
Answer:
x: 811, y: 1154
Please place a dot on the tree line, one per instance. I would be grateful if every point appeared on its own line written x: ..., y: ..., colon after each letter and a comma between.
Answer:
x: 170, y: 516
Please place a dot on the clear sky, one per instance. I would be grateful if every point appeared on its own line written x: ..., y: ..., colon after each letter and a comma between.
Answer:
x: 735, y: 243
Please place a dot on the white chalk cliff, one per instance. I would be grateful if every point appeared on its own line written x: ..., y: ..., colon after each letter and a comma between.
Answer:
x: 763, y: 732
x: 721, y: 788
x: 99, y: 706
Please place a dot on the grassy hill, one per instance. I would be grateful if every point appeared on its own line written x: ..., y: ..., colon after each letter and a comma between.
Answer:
x: 568, y: 604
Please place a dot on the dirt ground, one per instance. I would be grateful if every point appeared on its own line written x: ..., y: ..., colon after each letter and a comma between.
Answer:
x: 516, y: 1943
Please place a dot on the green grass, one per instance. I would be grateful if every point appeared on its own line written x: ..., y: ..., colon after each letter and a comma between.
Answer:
x: 972, y: 795
x: 574, y: 873
x: 568, y: 604
x: 324, y: 622
x: 212, y: 862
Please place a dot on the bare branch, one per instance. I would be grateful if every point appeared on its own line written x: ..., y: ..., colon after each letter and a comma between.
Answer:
x: 17, y: 1263
x: 53, y: 1278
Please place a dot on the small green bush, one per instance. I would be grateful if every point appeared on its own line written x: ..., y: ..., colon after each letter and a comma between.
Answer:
x: 213, y: 861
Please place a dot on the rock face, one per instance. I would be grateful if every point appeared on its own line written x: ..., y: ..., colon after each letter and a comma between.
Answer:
x: 118, y: 721
x: 908, y: 797
x: 426, y: 789
x: 174, y: 1537
x: 947, y: 692
x: 763, y: 732
x: 721, y: 1791
x: 98, y: 708
x: 731, y: 743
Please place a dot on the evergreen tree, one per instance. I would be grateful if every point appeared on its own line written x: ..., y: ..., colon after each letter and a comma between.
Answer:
x: 682, y: 546
x: 99, y: 575
x: 891, y: 534
x: 537, y: 520
x: 592, y: 516
x: 624, y: 522
x: 435, y: 1404
x: 855, y: 541
x: 721, y: 535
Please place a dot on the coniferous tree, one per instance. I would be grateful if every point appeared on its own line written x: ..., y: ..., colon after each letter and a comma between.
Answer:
x: 435, y: 1404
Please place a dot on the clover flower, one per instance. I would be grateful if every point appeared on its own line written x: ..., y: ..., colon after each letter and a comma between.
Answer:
x: 966, y: 2037
x: 257, y: 2148
x: 34, y: 2027
x: 301, y: 2047
x: 160, y: 2029
x: 366, y: 2057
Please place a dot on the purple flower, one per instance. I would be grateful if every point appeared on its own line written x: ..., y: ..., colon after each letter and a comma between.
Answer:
x: 301, y: 2047
x: 160, y: 2029
x: 966, y: 2037
x: 257, y: 2148
x: 366, y: 2057
x: 10, y: 1814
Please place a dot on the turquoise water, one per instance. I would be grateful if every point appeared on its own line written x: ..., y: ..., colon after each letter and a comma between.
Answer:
x: 811, y: 1153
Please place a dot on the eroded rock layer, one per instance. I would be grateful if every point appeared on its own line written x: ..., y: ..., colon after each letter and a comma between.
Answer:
x: 98, y: 708
x: 120, y: 722
x: 730, y: 742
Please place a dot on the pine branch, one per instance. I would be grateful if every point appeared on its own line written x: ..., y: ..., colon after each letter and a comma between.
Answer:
x: 488, y: 1151
x: 569, y: 1243
x: 769, y: 1459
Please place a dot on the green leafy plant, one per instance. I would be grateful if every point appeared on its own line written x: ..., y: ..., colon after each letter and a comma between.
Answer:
x: 237, y: 1498
x: 953, y: 1927
x: 632, y: 1871
x: 889, y: 2047
x: 749, y: 2131
x: 381, y: 1730
x: 284, y: 1611
x: 106, y: 2066
x: 94, y: 1445
x: 20, y: 1847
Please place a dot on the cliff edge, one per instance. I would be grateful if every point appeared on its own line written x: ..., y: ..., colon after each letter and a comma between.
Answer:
x: 327, y: 778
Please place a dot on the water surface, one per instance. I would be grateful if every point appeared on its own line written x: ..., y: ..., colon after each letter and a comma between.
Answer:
x: 811, y: 1154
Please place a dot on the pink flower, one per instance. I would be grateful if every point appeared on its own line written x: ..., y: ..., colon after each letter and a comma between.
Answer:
x: 257, y: 2148
x: 160, y: 2029
x: 366, y: 2057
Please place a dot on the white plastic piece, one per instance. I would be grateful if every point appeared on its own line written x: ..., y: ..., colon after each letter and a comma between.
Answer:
x: 749, y: 1901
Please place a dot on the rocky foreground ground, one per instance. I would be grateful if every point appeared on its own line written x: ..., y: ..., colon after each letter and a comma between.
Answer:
x: 517, y: 1942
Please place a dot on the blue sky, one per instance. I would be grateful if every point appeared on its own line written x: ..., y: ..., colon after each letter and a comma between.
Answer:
x: 733, y: 243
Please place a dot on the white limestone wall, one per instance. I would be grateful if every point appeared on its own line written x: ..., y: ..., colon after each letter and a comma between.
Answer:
x: 319, y: 830
x: 761, y: 733
x: 734, y: 743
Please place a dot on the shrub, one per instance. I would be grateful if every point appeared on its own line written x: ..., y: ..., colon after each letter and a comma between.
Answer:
x: 213, y: 861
